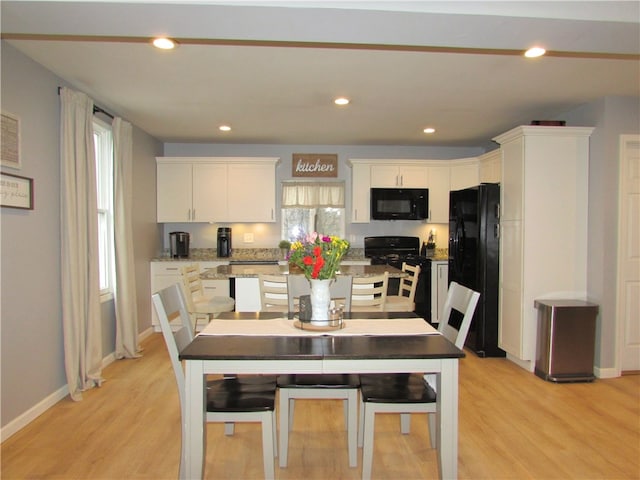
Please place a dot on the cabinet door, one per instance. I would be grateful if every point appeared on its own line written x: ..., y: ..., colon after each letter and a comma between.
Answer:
x: 173, y: 191
x: 413, y: 176
x: 439, y: 289
x: 464, y: 176
x: 490, y: 167
x: 360, y: 193
x: 438, y: 194
x: 252, y: 192
x: 209, y: 192
x: 163, y: 275
x: 385, y: 176
x: 216, y: 288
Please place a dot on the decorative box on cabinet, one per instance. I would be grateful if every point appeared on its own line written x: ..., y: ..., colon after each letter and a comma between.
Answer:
x: 543, y: 227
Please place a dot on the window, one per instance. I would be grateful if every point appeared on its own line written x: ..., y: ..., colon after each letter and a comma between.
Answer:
x: 312, y: 207
x: 103, y: 141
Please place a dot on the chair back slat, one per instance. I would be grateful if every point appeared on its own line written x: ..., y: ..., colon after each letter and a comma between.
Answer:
x: 273, y: 293
x: 463, y: 300
x: 370, y: 293
x: 409, y: 283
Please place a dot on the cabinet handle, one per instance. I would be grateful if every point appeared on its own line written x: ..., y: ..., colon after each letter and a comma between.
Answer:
x: 193, y: 214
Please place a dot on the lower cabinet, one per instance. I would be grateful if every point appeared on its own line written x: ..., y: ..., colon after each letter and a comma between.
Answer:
x: 439, y: 288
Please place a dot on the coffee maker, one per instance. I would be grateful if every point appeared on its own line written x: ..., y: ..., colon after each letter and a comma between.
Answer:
x: 224, y: 241
x: 179, y: 244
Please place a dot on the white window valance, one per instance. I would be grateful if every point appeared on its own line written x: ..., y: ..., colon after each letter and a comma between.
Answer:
x: 312, y: 194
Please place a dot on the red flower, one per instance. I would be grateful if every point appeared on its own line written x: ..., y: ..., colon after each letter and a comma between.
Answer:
x: 307, y: 260
x: 317, y: 251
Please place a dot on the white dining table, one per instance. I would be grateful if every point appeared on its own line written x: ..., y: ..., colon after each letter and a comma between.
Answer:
x: 233, y: 343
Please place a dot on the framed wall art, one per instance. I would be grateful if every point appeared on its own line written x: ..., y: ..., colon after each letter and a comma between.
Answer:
x: 16, y: 191
x: 9, y: 141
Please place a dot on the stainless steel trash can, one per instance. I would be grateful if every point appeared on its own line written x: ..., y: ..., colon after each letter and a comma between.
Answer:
x: 566, y: 340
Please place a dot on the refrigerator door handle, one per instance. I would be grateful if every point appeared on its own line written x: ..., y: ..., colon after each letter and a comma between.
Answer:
x: 497, y: 210
x: 496, y: 230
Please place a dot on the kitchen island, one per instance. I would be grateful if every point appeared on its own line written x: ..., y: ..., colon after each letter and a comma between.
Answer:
x: 245, y: 288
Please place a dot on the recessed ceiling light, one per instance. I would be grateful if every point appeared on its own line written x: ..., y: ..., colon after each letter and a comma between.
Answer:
x: 429, y: 130
x: 341, y: 101
x: 534, y: 52
x: 224, y: 128
x: 164, y: 43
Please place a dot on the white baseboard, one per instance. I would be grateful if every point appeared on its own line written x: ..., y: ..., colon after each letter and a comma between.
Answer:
x: 34, y: 412
x: 606, y: 372
x: 526, y: 364
x: 147, y: 333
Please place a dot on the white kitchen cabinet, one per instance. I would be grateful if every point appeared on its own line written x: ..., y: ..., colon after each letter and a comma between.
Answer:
x: 360, y: 193
x: 251, y: 192
x: 398, y: 175
x: 464, y: 174
x: 438, y: 185
x: 216, y: 189
x: 543, y: 228
x: 490, y: 166
x: 439, y: 288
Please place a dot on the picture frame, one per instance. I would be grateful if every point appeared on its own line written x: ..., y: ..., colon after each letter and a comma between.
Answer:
x: 10, y: 141
x: 16, y: 191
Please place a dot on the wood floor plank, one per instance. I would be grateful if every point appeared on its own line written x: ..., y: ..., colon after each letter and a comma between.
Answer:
x: 513, y: 425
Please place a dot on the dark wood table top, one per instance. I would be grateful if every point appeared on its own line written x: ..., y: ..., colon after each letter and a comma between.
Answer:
x: 243, y: 347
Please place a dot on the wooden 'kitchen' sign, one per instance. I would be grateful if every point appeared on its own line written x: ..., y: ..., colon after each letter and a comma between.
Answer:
x: 314, y: 165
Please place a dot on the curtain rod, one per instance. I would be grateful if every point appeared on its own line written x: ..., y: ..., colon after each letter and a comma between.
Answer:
x: 96, y: 109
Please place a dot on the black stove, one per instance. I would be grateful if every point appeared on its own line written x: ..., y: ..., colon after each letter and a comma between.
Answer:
x: 396, y: 250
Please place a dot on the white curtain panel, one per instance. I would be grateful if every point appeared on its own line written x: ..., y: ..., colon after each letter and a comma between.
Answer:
x: 79, y: 239
x: 125, y: 281
x: 313, y: 194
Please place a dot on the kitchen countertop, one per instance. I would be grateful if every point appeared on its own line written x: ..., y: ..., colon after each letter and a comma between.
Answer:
x: 248, y: 271
x: 264, y: 254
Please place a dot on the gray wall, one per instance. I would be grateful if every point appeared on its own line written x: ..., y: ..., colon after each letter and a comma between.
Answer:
x: 32, y: 359
x: 268, y: 235
x: 612, y: 117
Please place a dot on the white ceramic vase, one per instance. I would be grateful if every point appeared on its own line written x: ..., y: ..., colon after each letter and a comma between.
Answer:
x: 320, y: 300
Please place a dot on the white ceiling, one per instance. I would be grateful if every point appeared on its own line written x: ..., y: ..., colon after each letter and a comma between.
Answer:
x: 390, y: 63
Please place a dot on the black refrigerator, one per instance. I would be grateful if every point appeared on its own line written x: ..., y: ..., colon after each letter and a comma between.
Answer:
x: 474, y: 249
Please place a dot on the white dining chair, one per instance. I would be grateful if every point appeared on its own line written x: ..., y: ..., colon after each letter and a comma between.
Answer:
x: 404, y: 301
x: 319, y: 386
x: 411, y: 393
x: 229, y: 400
x: 273, y: 293
x: 198, y: 304
x: 369, y: 294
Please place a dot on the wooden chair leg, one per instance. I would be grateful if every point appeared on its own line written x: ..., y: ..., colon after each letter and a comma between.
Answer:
x: 367, y: 448
x: 285, y: 426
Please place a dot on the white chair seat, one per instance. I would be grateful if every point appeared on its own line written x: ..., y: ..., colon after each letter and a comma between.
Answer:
x: 213, y: 304
x: 396, y: 303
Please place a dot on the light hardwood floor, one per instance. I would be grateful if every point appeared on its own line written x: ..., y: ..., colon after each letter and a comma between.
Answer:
x: 513, y: 425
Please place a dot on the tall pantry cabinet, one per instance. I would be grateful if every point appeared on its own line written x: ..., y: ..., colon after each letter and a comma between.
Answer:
x: 543, y: 228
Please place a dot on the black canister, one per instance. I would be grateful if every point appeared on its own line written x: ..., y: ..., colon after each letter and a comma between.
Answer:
x: 224, y: 241
x: 179, y: 244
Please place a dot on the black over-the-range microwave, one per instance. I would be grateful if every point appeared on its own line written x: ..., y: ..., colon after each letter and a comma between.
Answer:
x: 399, y: 203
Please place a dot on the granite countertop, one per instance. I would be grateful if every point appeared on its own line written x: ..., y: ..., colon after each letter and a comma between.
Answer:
x: 224, y: 272
x: 265, y: 254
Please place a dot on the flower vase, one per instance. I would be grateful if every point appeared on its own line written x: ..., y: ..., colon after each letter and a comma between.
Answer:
x: 320, y: 300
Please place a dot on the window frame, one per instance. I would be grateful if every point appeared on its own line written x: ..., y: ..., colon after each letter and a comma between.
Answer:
x: 103, y: 146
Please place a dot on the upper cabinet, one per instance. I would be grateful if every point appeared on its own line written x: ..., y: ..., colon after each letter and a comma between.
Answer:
x: 216, y: 189
x: 490, y: 167
x: 398, y: 175
x: 464, y: 173
x: 431, y: 174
